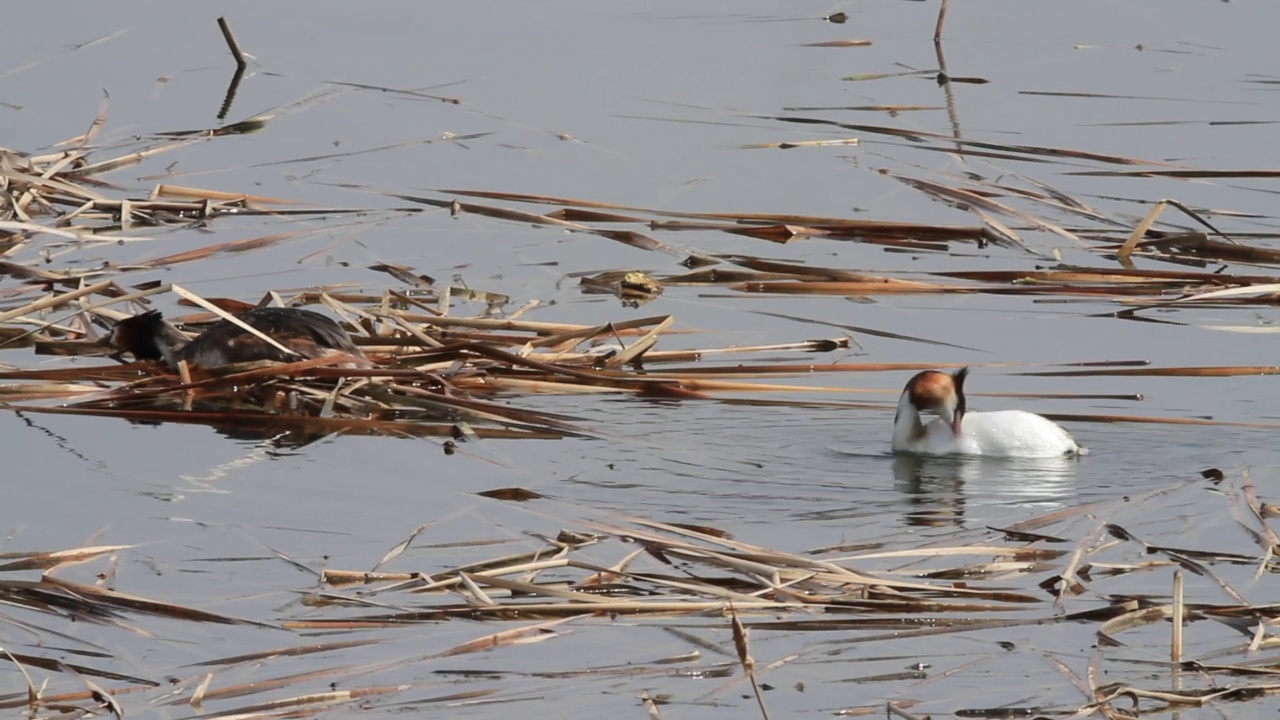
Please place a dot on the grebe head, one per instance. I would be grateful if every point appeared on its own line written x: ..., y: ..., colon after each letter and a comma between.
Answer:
x: 939, y: 393
x: 147, y: 337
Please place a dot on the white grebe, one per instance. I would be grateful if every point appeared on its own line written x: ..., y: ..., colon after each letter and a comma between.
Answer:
x: 307, y: 334
x: 1002, y: 433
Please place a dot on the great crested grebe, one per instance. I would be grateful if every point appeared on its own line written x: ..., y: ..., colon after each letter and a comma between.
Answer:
x: 305, y: 333
x: 1001, y: 433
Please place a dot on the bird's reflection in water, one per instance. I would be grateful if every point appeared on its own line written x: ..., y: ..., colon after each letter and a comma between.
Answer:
x: 272, y: 431
x: 270, y: 438
x: 938, y: 489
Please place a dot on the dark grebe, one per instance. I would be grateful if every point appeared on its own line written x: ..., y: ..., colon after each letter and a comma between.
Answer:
x: 307, y: 334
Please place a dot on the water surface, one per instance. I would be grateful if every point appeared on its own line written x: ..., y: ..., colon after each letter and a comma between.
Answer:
x: 650, y: 107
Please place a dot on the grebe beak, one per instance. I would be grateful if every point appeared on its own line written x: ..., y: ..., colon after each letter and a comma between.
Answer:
x: 956, y: 419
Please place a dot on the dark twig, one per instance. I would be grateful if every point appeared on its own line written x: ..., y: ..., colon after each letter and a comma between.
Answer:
x: 241, y: 64
x: 236, y: 52
x: 942, y: 18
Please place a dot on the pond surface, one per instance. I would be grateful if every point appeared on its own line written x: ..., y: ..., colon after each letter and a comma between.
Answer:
x: 667, y: 107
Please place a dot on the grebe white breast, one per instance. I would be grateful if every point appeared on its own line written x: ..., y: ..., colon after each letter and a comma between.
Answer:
x: 1000, y: 433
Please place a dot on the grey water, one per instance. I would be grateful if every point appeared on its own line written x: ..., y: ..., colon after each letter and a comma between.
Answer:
x: 645, y: 105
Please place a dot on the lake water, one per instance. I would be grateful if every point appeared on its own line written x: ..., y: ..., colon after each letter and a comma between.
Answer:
x: 652, y: 106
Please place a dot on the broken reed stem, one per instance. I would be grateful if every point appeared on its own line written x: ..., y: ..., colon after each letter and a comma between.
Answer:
x: 184, y: 373
x: 942, y: 19
x: 1178, y: 614
x: 56, y: 300
x: 744, y: 657
x: 241, y: 63
x: 650, y: 706
x: 33, y: 695
x: 892, y: 708
x: 1139, y: 233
